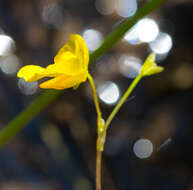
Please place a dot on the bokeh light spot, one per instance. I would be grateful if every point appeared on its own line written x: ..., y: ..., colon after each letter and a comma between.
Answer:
x: 7, y: 45
x: 109, y: 92
x: 147, y: 30
x: 126, y: 8
x: 93, y: 39
x: 9, y: 64
x: 162, y: 44
x: 130, y: 66
x: 132, y: 36
x: 27, y: 88
x: 143, y: 148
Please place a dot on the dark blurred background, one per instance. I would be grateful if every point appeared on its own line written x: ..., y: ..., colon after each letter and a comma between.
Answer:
x: 150, y: 142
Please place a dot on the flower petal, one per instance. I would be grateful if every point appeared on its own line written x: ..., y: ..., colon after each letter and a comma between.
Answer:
x: 31, y: 73
x: 81, y: 50
x: 70, y: 66
x: 63, y: 82
x: 73, y: 57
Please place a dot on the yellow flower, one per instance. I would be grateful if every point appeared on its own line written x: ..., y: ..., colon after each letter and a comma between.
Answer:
x: 70, y: 66
x: 150, y: 67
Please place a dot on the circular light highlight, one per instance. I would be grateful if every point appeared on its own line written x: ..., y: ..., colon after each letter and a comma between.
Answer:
x: 162, y: 44
x: 7, y: 45
x: 143, y: 148
x: 132, y: 36
x: 10, y: 64
x: 93, y: 39
x: 126, y: 8
x: 147, y: 30
x: 109, y: 92
x: 27, y: 88
x: 130, y: 66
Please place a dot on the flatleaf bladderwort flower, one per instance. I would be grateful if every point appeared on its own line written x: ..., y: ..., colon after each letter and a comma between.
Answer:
x: 70, y: 66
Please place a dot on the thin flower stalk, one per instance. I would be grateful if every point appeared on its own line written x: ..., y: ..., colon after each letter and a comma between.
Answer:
x: 100, y: 133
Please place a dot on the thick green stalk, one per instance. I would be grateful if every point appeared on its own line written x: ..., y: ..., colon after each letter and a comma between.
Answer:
x: 27, y: 115
x: 49, y: 96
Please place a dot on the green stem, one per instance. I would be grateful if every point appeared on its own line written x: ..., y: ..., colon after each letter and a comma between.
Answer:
x: 27, y: 115
x: 99, y: 115
x: 47, y: 97
x: 98, y: 169
x: 100, y: 133
x: 121, y: 101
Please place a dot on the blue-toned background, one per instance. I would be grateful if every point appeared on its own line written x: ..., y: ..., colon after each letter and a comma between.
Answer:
x: 150, y: 142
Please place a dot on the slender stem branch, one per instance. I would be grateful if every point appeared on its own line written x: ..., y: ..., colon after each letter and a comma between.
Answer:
x: 98, y: 169
x: 91, y: 81
x: 100, y: 131
x: 121, y: 101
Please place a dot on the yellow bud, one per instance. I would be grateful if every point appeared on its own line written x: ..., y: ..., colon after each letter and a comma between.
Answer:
x: 150, y: 67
